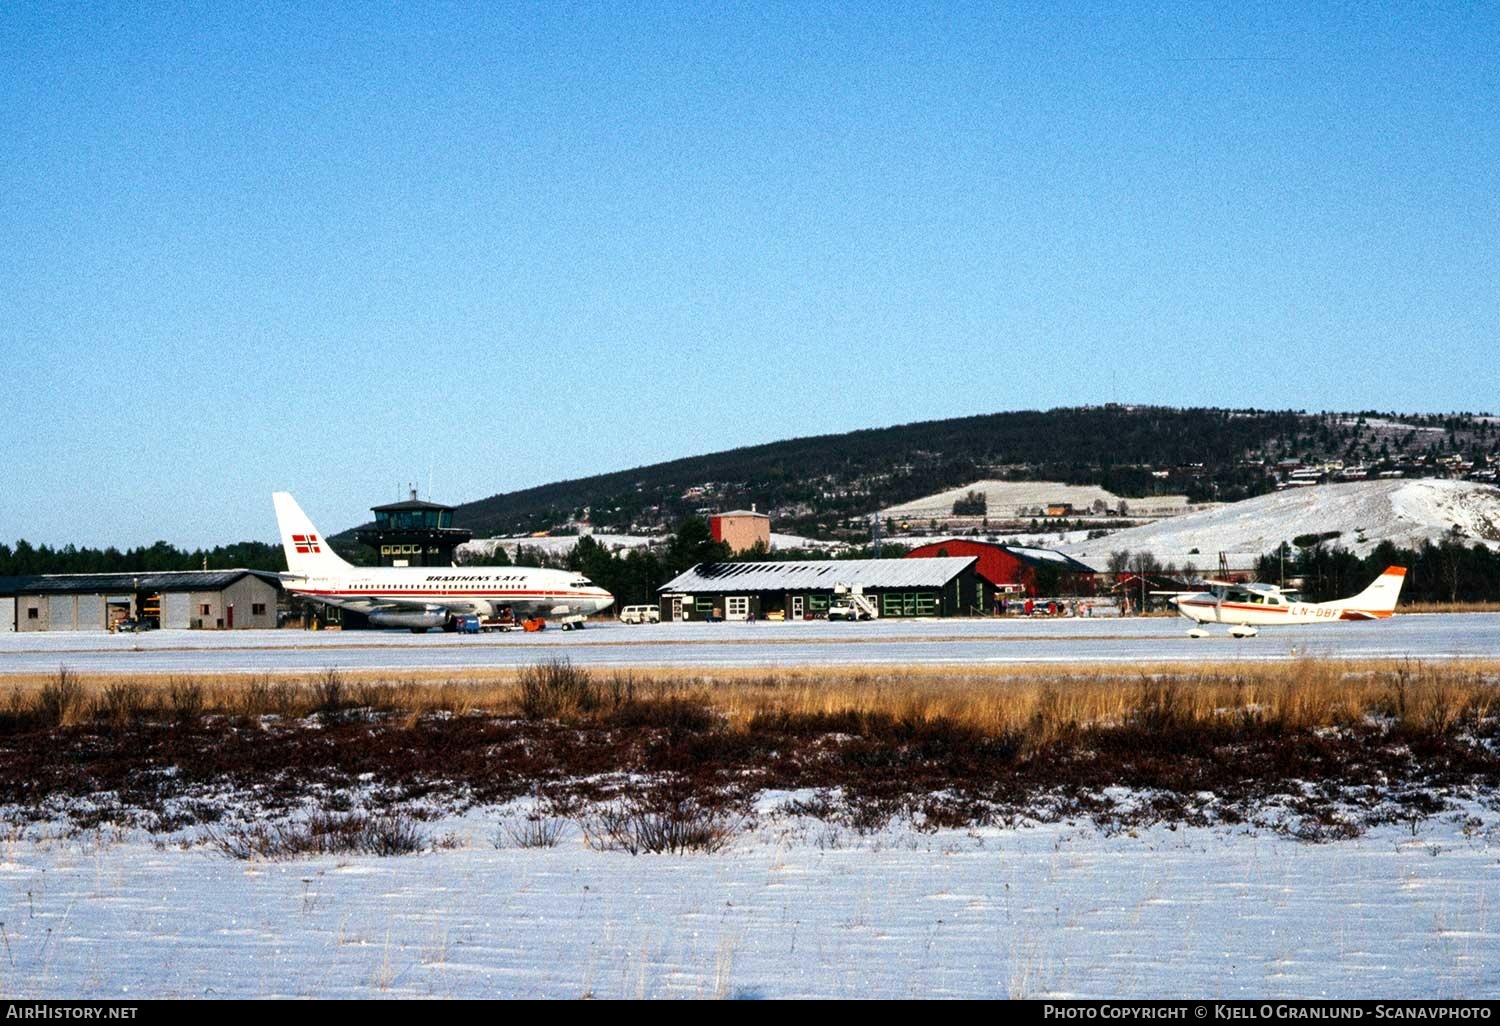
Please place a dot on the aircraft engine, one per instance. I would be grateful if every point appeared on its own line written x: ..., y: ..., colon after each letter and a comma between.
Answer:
x: 411, y: 618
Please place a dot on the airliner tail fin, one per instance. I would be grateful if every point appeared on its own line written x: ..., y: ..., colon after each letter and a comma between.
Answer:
x: 307, y: 552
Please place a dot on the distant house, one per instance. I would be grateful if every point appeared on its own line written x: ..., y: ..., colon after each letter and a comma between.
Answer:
x: 1020, y: 568
x: 1138, y: 592
x: 742, y: 529
x: 1060, y: 509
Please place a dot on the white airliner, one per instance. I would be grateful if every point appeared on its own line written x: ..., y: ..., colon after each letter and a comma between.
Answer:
x: 422, y: 597
x: 1248, y: 606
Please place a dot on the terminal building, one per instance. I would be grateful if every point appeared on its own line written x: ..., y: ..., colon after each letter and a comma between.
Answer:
x: 205, y: 599
x: 804, y: 590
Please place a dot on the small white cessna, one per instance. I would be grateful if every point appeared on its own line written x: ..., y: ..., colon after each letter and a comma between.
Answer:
x: 422, y: 597
x: 1248, y: 606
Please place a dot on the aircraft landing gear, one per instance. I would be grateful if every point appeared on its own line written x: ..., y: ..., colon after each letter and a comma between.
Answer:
x: 1239, y: 630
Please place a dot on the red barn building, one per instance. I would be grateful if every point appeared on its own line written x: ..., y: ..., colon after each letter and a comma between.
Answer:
x: 1034, y: 571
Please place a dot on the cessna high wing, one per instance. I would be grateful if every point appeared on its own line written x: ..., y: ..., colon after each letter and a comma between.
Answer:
x: 422, y: 597
x: 1249, y: 606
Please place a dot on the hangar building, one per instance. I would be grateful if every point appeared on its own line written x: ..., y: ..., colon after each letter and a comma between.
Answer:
x: 212, y: 599
x: 804, y: 590
x: 1012, y: 568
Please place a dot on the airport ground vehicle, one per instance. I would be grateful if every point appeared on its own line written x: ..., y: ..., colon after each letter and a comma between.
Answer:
x: 843, y: 609
x: 640, y: 614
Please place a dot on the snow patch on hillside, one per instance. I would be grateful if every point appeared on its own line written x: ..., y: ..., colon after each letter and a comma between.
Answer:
x: 1406, y: 513
x: 1005, y: 499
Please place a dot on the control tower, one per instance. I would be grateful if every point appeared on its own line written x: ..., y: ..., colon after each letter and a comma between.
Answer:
x: 413, y: 533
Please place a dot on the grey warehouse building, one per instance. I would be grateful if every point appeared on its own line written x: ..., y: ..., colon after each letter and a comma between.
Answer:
x: 211, y: 599
x: 942, y: 586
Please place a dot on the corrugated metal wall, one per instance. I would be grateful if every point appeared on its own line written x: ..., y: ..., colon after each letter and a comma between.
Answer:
x: 213, y: 601
x: 90, y: 612
x: 24, y: 620
x: 60, y: 610
x: 175, y: 610
x: 7, y: 615
x: 247, y: 593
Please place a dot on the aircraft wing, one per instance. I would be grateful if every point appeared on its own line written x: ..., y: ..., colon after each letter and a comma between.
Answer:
x: 369, y: 605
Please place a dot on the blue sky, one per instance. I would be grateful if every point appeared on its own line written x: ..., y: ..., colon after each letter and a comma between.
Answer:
x: 334, y: 248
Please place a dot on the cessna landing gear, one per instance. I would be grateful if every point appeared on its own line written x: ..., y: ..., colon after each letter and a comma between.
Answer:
x: 1239, y: 630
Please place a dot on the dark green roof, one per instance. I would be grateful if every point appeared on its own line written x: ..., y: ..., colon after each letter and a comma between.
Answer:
x: 408, y: 505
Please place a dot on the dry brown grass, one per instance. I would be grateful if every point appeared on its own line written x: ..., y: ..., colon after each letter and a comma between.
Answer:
x: 944, y: 745
x: 1041, y: 703
x: 1450, y: 607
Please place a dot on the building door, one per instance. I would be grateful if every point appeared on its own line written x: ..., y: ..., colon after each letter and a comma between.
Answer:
x: 176, y: 610
x: 229, y: 616
x: 677, y: 608
x: 736, y: 607
x: 796, y: 607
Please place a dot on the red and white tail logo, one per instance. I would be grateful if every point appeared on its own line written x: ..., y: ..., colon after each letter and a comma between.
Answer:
x: 306, y: 551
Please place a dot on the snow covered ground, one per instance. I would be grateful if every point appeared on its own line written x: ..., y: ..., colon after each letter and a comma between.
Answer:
x: 481, y: 549
x: 1026, y: 498
x: 1042, y: 539
x: 816, y: 643
x: 1365, y: 513
x: 794, y: 908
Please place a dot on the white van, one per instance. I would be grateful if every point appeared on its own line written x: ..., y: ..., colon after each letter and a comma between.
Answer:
x: 640, y: 614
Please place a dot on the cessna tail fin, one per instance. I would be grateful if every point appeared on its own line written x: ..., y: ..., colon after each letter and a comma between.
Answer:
x: 307, y: 552
x: 1379, y: 599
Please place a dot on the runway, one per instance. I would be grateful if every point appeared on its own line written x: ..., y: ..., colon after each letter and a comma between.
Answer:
x: 817, y: 643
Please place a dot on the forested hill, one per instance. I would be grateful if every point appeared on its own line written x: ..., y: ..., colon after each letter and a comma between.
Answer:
x: 809, y: 485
